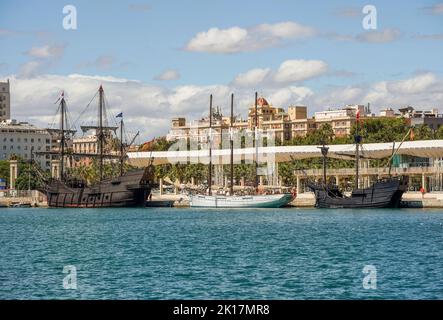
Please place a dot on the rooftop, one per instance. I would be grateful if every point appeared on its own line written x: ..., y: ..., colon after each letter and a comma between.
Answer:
x: 14, y: 124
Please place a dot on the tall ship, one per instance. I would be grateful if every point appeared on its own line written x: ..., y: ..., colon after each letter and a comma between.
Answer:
x: 384, y: 193
x: 232, y: 200
x: 126, y: 189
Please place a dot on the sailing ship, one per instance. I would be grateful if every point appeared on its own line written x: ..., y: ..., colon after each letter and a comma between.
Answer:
x: 384, y: 193
x: 129, y: 189
x: 231, y: 200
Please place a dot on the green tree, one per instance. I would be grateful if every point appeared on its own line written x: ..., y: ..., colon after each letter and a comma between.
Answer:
x: 4, y: 170
x: 375, y: 130
x: 424, y: 132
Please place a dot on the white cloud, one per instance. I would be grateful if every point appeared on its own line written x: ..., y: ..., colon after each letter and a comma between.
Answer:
x: 422, y: 90
x: 413, y: 85
x: 290, y: 95
x: 383, y: 36
x: 46, y: 51
x: 237, y: 39
x: 217, y: 40
x: 290, y: 71
x: 168, y: 75
x: 373, y: 36
x: 42, y: 59
x: 299, y: 70
x: 30, y: 68
x: 103, y: 62
x: 285, y: 30
x: 252, y: 77
x: 435, y: 36
x: 435, y: 9
x: 149, y: 109
x: 340, y: 96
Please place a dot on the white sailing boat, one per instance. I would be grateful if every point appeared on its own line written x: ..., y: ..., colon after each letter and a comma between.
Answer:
x: 254, y: 201
x: 233, y: 201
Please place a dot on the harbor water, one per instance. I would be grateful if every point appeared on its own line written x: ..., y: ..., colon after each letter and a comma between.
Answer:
x: 173, y: 253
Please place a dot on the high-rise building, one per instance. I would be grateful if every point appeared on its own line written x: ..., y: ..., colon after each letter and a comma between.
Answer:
x: 5, y: 101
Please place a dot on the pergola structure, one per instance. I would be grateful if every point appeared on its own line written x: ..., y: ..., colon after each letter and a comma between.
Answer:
x: 429, y: 176
x: 422, y: 148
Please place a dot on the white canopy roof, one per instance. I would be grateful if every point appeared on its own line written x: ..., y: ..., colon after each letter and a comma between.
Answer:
x: 422, y: 148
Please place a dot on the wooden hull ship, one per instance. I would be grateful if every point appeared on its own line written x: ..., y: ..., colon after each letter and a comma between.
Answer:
x: 128, y: 189
x: 384, y: 193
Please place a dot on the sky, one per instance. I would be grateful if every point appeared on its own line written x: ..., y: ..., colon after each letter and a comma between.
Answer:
x: 161, y: 59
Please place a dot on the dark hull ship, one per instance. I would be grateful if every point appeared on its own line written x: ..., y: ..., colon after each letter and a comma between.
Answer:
x: 129, y: 189
x: 384, y: 193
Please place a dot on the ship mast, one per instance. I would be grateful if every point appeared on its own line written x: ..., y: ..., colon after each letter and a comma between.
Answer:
x: 100, y: 131
x: 62, y: 138
x: 357, y: 139
x: 210, y: 147
x: 256, y: 144
x: 232, y: 146
x: 324, y: 152
x: 121, y: 146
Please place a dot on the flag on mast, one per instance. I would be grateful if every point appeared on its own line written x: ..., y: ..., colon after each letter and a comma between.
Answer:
x: 120, y: 115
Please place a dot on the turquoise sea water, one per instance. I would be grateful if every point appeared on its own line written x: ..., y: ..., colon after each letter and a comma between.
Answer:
x: 169, y: 253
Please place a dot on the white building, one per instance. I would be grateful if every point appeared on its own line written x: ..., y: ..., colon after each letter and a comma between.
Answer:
x: 20, y: 138
x: 5, y: 101
x: 347, y: 111
x: 387, y: 112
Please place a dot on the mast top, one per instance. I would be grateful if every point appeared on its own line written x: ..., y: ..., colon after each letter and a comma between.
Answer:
x: 101, y: 88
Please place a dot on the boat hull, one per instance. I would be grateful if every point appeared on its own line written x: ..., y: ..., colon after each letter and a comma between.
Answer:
x: 258, y: 201
x: 130, y: 190
x: 382, y: 194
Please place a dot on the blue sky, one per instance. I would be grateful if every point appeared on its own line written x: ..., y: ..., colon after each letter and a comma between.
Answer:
x: 141, y: 40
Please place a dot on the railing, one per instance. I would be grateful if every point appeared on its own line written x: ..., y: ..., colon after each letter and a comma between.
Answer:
x: 19, y: 193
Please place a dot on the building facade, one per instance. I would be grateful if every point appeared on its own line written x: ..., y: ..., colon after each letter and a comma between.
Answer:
x: 285, y: 124
x: 24, y: 140
x: 84, y: 145
x: 5, y: 101
x: 295, y: 122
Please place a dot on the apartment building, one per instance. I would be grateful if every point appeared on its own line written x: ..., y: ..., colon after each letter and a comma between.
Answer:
x: 24, y: 140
